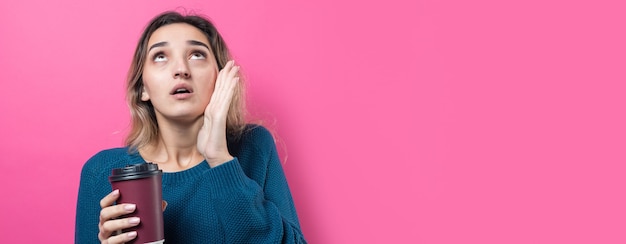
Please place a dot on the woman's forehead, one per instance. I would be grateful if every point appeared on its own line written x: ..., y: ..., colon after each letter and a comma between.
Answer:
x: 177, y: 33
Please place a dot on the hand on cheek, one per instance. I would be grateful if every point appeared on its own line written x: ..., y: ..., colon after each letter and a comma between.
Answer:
x: 212, y: 136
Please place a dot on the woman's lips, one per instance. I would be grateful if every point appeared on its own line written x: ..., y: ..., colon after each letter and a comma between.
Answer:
x: 181, y: 88
x: 181, y: 96
x: 181, y: 91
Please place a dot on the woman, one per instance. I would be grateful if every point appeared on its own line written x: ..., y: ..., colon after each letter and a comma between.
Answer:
x: 222, y: 180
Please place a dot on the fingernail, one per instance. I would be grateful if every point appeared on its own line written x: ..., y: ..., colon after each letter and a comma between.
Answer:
x: 116, y: 192
x: 133, y: 220
x: 129, y: 207
x: 132, y: 234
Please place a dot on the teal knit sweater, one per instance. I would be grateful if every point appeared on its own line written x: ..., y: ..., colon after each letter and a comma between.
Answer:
x: 245, y: 200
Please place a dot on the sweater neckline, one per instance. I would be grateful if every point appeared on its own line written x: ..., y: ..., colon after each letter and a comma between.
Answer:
x: 174, y: 177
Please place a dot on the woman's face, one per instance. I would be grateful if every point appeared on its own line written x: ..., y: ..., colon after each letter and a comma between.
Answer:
x: 179, y: 72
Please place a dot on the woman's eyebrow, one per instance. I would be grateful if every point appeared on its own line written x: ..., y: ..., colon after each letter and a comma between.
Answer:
x: 198, y: 43
x: 158, y: 44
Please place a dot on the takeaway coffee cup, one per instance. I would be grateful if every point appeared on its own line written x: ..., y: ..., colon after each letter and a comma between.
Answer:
x: 140, y: 184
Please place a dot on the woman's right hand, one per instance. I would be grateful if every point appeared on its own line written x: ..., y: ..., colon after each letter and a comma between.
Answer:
x: 109, y: 223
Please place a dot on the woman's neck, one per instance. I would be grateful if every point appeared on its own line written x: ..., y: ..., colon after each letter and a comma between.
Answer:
x: 175, y: 149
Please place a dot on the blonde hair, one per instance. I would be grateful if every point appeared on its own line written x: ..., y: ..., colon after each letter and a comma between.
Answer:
x: 144, y: 126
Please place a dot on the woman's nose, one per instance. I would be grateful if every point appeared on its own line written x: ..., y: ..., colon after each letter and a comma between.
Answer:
x: 182, y: 74
x: 181, y: 70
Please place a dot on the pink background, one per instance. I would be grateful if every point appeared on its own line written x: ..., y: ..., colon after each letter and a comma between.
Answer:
x: 417, y: 121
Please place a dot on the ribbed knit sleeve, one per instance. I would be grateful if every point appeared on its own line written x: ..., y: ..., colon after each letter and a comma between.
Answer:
x: 259, y: 210
x: 94, y: 185
x: 86, y: 230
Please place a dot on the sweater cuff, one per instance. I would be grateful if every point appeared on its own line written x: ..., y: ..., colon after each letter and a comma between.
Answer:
x: 228, y: 178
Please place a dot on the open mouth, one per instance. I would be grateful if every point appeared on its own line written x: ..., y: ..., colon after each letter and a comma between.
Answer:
x: 180, y: 91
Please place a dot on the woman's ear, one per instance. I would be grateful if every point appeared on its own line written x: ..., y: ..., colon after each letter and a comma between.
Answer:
x: 144, y: 94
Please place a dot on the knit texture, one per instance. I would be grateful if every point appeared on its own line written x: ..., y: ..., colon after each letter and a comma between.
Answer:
x: 245, y: 200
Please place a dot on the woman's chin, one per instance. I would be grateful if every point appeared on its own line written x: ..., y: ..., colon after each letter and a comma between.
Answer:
x: 182, y: 117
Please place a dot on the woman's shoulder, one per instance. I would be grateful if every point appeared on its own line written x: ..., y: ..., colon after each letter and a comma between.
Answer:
x: 257, y: 134
x: 109, y: 158
x: 254, y: 139
x: 256, y: 130
x: 112, y: 154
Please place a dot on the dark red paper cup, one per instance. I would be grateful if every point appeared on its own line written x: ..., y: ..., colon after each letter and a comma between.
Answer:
x: 140, y: 184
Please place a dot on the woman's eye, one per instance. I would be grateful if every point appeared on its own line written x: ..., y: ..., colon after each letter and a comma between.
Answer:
x: 160, y: 58
x: 197, y: 56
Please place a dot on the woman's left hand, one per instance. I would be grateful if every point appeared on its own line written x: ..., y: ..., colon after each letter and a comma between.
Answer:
x: 212, y: 136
